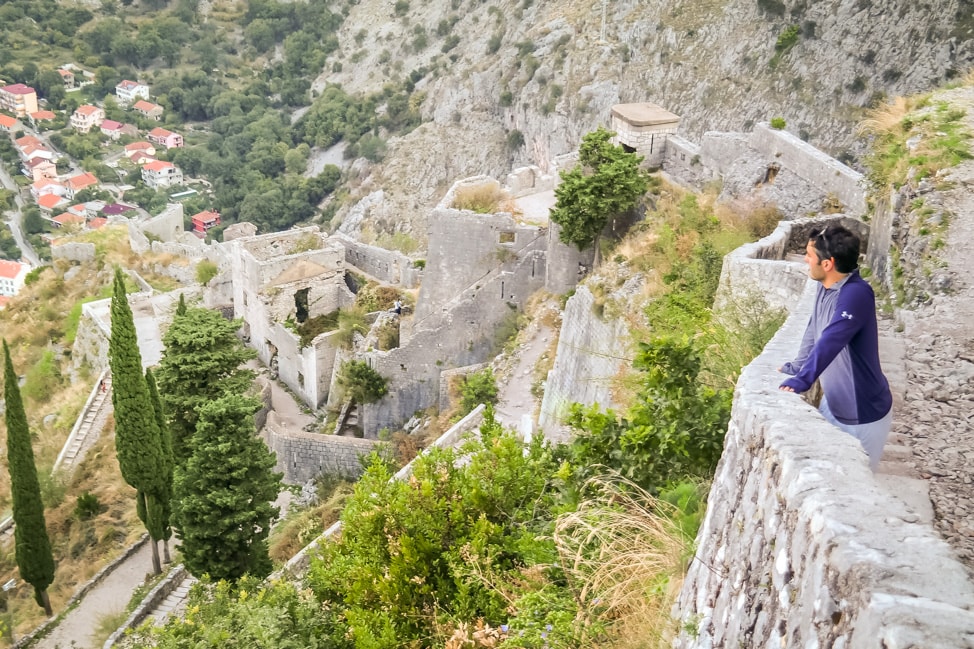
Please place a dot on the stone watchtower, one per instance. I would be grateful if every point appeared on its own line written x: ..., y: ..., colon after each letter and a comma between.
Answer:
x: 643, y: 128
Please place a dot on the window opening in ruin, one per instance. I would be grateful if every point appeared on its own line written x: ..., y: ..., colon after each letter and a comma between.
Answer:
x: 533, y: 262
x: 506, y: 237
x: 502, y: 290
x: 627, y: 148
x: 301, y: 304
x: 771, y: 173
x: 301, y: 380
x: 652, y: 141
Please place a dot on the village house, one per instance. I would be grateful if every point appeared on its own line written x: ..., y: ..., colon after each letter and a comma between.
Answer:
x: 19, y: 99
x: 204, y: 221
x: 129, y: 91
x: 68, y: 221
x: 165, y: 138
x: 97, y: 222
x: 67, y: 76
x: 50, y: 202
x: 111, y: 129
x: 12, y: 274
x: 79, y: 183
x: 159, y: 173
x: 86, y: 117
x: 41, y: 116
x: 38, y: 169
x: 47, y: 186
x: 148, y: 109
x: 8, y: 123
x: 117, y: 209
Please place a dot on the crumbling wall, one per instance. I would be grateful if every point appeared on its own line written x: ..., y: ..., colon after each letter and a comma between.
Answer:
x: 465, y: 248
x: 166, y: 226
x: 304, y: 456
x: 389, y: 266
x: 79, y: 252
x: 472, y: 320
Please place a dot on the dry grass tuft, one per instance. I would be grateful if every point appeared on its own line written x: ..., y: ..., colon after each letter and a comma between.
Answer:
x: 626, y: 557
x: 887, y: 117
x: 482, y: 199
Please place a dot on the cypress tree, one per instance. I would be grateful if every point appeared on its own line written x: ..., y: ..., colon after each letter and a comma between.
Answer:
x: 223, y: 493
x: 202, y: 362
x: 165, y: 443
x: 181, y: 307
x: 32, y: 545
x: 137, y: 434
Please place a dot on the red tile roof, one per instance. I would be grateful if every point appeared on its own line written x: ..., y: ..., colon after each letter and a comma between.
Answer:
x: 49, y: 201
x: 87, y: 109
x: 139, y: 146
x: 7, y: 122
x: 81, y: 181
x: 18, y: 89
x: 42, y: 115
x: 111, y: 125
x: 158, y: 165
x: 66, y: 218
x: 10, y: 269
x: 97, y: 222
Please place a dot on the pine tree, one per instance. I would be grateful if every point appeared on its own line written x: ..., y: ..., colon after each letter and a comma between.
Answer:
x: 181, y: 307
x: 223, y: 493
x: 165, y: 444
x: 137, y: 442
x: 202, y: 362
x: 32, y: 545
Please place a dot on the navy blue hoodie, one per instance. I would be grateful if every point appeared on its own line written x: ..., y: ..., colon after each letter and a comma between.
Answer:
x: 845, y: 353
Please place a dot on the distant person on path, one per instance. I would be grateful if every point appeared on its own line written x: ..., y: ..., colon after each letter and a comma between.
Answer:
x: 841, y: 344
x: 397, y: 307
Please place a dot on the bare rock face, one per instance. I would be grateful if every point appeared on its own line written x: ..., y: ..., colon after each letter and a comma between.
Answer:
x: 551, y: 69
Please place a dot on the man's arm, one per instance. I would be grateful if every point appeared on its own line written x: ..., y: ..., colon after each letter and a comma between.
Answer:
x: 808, y: 342
x: 850, y: 315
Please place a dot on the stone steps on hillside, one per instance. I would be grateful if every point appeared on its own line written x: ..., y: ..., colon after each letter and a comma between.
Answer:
x: 897, y: 471
x: 175, y: 602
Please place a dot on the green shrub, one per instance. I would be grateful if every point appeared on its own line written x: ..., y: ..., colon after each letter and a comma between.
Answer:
x: 787, y: 39
x: 515, y: 139
x: 87, y: 506
x: 674, y: 429
x: 777, y: 123
x: 43, y: 379
x: 494, y: 44
x: 361, y: 383
x: 401, y: 7
x: 477, y: 388
x: 205, y: 271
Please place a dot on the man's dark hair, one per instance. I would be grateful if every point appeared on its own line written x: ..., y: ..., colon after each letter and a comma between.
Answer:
x: 838, y: 243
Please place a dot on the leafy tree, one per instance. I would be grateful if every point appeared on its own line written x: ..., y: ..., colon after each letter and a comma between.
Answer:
x: 223, y: 493
x: 202, y: 362
x: 606, y: 183
x: 137, y: 436
x: 32, y: 545
x: 674, y: 430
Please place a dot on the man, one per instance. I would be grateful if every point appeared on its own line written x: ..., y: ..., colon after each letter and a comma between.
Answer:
x: 841, y: 344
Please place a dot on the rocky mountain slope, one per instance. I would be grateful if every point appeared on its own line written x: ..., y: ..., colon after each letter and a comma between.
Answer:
x: 552, y: 69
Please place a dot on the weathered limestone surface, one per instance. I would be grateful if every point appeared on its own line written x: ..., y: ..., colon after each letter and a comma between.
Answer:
x: 591, y: 351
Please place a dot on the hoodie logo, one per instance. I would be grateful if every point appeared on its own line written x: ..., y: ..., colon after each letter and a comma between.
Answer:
x: 846, y: 315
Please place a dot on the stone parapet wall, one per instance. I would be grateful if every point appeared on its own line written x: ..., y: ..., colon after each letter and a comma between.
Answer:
x: 802, y: 547
x: 389, y: 266
x: 818, y: 168
x: 683, y: 162
x: 304, y: 456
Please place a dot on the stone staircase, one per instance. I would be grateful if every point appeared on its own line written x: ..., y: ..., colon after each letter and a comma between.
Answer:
x: 84, y: 434
x: 897, y: 471
x: 88, y: 428
x: 174, y: 603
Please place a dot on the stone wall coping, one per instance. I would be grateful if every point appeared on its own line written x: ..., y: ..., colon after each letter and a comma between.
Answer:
x: 149, y: 603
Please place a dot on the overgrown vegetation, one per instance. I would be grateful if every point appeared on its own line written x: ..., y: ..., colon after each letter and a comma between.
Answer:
x: 910, y: 137
x: 483, y: 199
x: 361, y: 383
x: 477, y: 388
x: 497, y: 547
